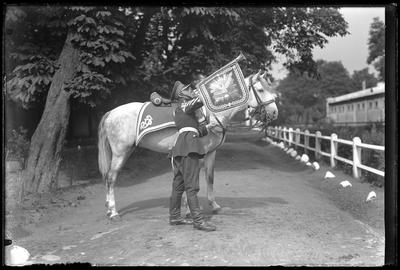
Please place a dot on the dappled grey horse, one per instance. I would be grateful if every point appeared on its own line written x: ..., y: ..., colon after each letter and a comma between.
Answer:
x: 117, y: 138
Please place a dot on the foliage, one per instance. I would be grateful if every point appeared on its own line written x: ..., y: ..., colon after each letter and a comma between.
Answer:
x: 375, y: 159
x: 303, y: 97
x: 17, y: 145
x: 363, y: 75
x: 32, y: 49
x: 297, y: 31
x: 142, y: 49
x: 376, y: 46
x: 31, y: 79
x: 99, y: 35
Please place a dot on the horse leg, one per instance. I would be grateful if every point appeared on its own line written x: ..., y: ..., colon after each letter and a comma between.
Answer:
x: 107, y: 198
x: 116, y: 164
x: 209, y: 164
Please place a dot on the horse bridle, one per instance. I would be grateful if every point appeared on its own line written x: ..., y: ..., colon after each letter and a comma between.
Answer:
x: 259, y: 102
x: 260, y: 105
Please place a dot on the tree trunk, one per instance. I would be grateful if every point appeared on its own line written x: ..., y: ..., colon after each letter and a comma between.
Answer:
x: 47, y: 141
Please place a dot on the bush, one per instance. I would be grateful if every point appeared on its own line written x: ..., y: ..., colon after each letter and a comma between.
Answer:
x: 374, y: 159
x: 17, y: 145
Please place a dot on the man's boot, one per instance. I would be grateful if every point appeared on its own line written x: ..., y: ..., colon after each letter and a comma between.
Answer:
x: 204, y: 226
x: 180, y: 221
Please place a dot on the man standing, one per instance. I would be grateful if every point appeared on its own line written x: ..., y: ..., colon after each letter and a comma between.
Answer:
x: 185, y: 159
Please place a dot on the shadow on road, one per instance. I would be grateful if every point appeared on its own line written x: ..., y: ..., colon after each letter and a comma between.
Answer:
x: 229, y: 203
x: 240, y: 152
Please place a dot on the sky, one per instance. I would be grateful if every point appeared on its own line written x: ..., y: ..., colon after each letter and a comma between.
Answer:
x: 352, y: 49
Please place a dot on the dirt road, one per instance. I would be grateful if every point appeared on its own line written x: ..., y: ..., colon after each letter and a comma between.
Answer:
x: 276, y: 211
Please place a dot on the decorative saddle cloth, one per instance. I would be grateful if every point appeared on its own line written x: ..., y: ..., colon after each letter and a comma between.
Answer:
x: 153, y: 118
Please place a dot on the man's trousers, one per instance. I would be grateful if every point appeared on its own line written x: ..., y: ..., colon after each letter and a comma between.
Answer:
x: 186, y: 178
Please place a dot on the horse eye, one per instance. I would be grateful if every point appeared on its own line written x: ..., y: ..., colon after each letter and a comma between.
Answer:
x: 260, y: 90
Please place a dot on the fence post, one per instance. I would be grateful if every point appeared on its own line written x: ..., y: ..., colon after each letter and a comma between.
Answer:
x: 284, y: 136
x: 334, y: 149
x: 356, y: 157
x: 317, y: 145
x: 306, y: 141
x: 280, y: 133
x: 297, y: 138
x: 290, y: 136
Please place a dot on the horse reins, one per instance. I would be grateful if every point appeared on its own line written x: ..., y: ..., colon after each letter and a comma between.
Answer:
x: 259, y: 106
x: 220, y: 124
x: 259, y: 101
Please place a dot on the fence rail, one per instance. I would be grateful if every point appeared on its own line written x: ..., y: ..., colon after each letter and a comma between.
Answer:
x: 293, y: 137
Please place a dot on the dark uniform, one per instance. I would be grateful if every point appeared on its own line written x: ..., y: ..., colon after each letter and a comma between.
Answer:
x: 185, y: 158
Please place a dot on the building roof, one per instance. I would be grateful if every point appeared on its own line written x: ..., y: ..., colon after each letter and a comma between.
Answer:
x: 378, y: 89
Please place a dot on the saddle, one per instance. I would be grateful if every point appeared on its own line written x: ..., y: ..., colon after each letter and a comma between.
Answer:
x: 178, y: 91
x: 158, y: 100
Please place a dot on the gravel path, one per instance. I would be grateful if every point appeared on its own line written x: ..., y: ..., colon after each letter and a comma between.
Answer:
x: 276, y: 211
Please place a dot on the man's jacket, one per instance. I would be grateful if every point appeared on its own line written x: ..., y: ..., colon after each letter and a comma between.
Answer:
x: 189, y: 133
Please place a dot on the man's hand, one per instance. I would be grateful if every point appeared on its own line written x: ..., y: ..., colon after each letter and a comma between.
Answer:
x: 203, y: 131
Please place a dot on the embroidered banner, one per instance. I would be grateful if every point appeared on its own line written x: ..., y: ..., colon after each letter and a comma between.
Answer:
x: 225, y: 89
x: 153, y: 118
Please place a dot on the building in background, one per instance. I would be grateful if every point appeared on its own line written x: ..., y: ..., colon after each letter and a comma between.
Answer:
x: 362, y: 107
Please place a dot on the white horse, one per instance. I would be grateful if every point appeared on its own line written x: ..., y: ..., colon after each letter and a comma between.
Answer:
x: 117, y: 138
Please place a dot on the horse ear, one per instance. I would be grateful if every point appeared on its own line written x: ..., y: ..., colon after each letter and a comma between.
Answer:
x: 257, y: 76
x: 263, y: 75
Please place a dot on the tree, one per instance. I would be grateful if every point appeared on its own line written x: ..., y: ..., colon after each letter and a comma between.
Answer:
x: 89, y: 55
x: 85, y: 69
x: 363, y: 75
x: 303, y: 97
x: 376, y: 46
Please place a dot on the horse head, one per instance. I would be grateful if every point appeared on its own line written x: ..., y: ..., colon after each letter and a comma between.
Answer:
x: 262, y: 101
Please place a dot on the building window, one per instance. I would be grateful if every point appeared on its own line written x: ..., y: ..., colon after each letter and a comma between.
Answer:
x: 358, y: 106
x: 363, y: 106
x: 376, y: 104
x: 370, y: 105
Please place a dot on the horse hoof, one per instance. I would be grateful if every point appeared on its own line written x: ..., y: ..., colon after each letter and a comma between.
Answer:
x: 116, y: 218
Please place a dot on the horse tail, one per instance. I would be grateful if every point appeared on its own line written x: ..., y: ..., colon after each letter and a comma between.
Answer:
x: 104, y: 148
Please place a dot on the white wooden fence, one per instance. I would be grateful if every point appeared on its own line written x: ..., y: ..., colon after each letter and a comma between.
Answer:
x: 292, y: 137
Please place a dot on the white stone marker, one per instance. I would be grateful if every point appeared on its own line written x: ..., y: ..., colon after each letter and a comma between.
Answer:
x: 328, y: 174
